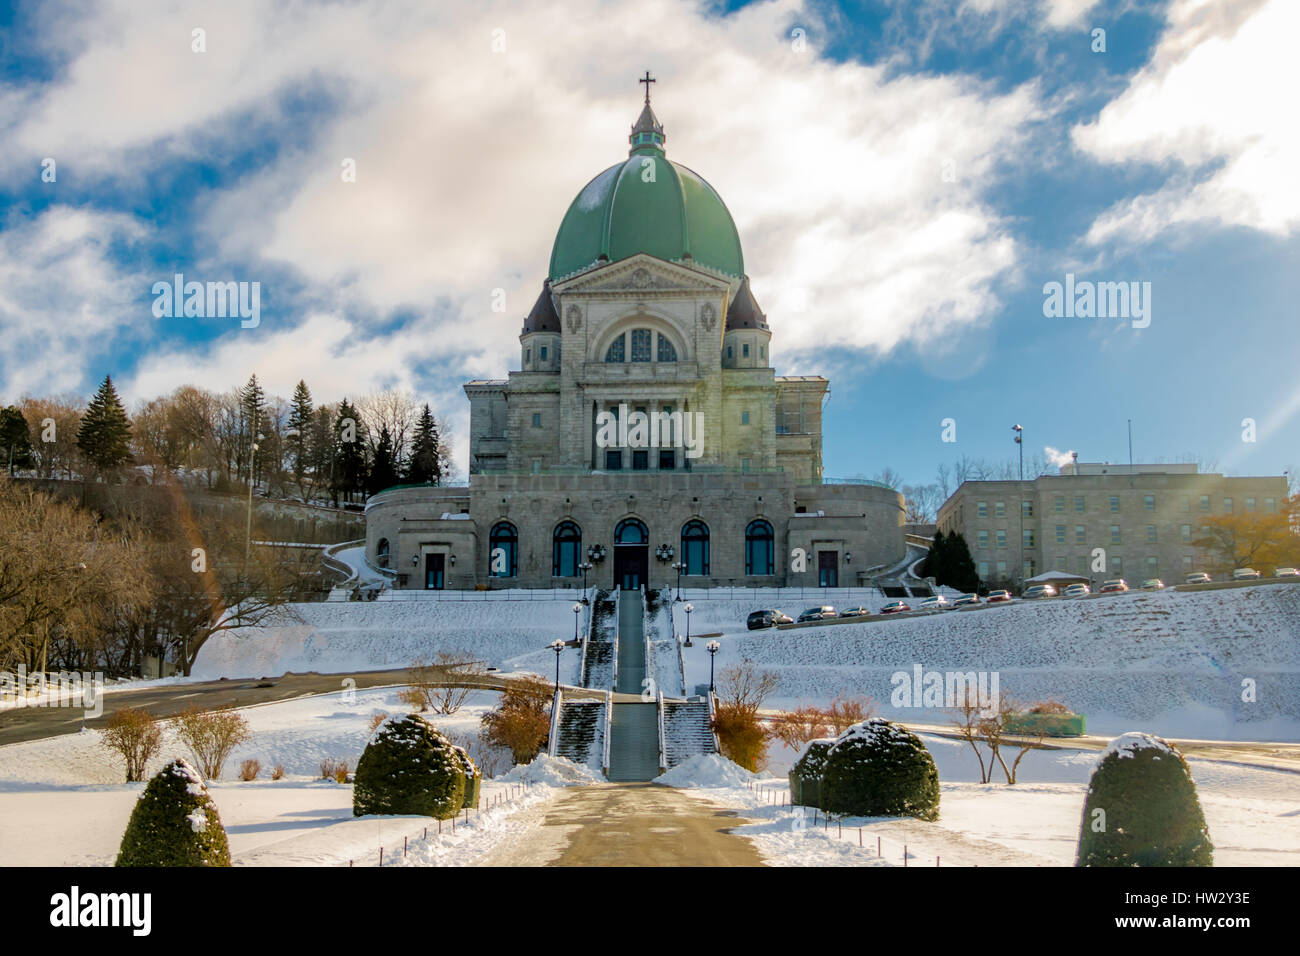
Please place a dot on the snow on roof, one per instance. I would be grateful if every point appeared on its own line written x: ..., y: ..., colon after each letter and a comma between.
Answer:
x: 1057, y: 576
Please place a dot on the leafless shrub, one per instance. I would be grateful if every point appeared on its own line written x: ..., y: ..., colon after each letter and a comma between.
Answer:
x: 211, y: 735
x: 136, y: 735
x: 249, y: 769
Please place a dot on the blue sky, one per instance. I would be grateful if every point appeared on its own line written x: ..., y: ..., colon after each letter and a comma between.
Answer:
x: 905, y: 177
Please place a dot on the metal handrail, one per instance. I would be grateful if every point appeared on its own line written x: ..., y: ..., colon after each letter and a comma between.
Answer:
x: 609, y: 728
x: 618, y: 597
x: 663, y: 738
x: 555, y: 725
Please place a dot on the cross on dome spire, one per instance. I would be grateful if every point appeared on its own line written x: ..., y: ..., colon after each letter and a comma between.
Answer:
x: 647, y: 80
x: 648, y: 132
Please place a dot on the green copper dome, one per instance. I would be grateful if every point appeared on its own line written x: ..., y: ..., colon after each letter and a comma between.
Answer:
x: 647, y: 204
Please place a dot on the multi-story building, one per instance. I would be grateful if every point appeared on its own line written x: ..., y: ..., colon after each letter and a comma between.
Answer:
x: 1100, y: 520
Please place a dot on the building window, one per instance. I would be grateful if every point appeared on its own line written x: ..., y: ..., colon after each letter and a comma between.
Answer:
x: 999, y: 509
x: 695, y: 547
x: 640, y: 345
x: 983, y: 570
x: 640, y: 460
x: 543, y: 353
x: 503, y: 550
x: 1187, y: 561
x: 1205, y: 503
x: 1060, y: 504
x: 1002, y: 569
x: 1081, y: 565
x: 1270, y: 505
x: 728, y: 351
x: 1149, y: 502
x: 1114, y: 534
x: 1001, y: 538
x: 1027, y: 538
x: 1080, y: 505
x: 1080, y: 534
x: 667, y: 353
x: 1186, y: 533
x: 744, y: 350
x: 528, y: 356
x: 760, y: 551
x: 982, y: 509
x: 1151, y: 534
x: 631, y: 531
x: 762, y: 351
x: 1227, y: 506
x: 613, y: 459
x: 746, y: 464
x: 982, y: 537
x: 615, y: 351
x: 1117, y: 565
x: 1114, y: 504
x: 381, y: 553
x: 667, y: 459
x: 744, y: 418
x: 1152, y: 566
x: 566, y: 547
x: 1250, y: 504
x: 537, y: 419
x: 1060, y: 534
x: 1185, y: 504
x: 1026, y: 509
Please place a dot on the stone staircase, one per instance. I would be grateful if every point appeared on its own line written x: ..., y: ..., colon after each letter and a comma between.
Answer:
x: 598, y: 665
x: 581, y: 732
x: 634, y: 742
x: 631, y: 643
x: 686, y: 730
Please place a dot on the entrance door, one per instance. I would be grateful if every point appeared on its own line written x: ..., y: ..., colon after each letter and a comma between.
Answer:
x: 828, y: 569
x: 631, y: 565
x: 434, y: 571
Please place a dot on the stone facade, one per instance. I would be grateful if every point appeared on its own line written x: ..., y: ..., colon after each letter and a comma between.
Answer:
x: 1145, y: 517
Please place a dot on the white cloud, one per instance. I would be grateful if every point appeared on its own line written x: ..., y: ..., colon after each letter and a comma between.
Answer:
x: 467, y: 158
x: 1056, y: 458
x: 1216, y: 103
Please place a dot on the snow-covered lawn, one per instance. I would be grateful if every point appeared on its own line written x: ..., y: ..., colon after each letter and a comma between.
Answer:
x: 62, y: 801
x: 1251, y: 813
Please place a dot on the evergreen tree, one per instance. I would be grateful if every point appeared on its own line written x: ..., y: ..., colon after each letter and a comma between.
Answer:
x: 104, y: 435
x: 425, y: 464
x: 252, y: 405
x: 383, y: 471
x: 961, y: 572
x: 932, y: 566
x: 301, y: 419
x: 349, y: 465
x: 321, y: 450
x: 15, y: 439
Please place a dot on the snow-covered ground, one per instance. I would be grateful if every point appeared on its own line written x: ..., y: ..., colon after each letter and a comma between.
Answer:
x: 63, y: 802
x: 1250, y: 812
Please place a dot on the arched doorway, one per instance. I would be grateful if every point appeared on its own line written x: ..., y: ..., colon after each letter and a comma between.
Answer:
x: 631, y: 554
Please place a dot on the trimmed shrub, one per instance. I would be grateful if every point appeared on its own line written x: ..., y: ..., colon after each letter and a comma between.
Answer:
x: 408, y: 767
x: 473, y: 779
x: 879, y: 769
x: 175, y: 823
x: 806, y: 774
x: 1142, y: 808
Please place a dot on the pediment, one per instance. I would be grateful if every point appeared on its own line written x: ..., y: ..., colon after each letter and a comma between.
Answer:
x: 641, y: 274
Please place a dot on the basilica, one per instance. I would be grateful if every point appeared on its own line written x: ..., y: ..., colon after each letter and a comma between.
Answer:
x: 645, y: 437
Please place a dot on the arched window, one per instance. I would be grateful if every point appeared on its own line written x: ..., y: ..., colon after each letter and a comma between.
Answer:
x: 615, y: 351
x: 759, y: 549
x: 695, y: 547
x: 640, y: 345
x: 631, y: 531
x: 565, y: 550
x: 381, y: 553
x: 503, y: 550
x: 666, y: 351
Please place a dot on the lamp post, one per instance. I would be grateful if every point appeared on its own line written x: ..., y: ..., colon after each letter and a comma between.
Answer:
x: 557, y: 645
x: 584, y: 567
x: 577, y: 617
x: 688, y: 609
x: 248, y: 528
x: 712, y: 647
x: 679, y: 567
x: 1020, y: 499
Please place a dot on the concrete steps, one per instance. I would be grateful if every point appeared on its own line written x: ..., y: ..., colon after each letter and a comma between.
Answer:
x: 631, y: 643
x: 686, y: 730
x: 581, y: 732
x: 634, y: 742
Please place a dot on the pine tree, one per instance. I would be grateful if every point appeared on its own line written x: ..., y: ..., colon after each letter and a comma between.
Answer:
x: 383, y: 471
x: 425, y: 464
x: 321, y: 450
x: 104, y: 435
x: 252, y: 404
x: 961, y: 571
x: 301, y: 419
x: 932, y: 566
x: 15, y: 439
x: 349, y: 466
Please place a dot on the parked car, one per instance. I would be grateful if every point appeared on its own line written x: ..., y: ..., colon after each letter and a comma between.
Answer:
x: 1039, y: 591
x: 854, y: 612
x: 1286, y: 573
x: 1245, y: 574
x: 895, y: 607
x: 1198, y: 577
x: 1117, y: 586
x: 823, y: 613
x: 767, y: 618
x: 1153, y: 584
x: 1076, y: 591
x: 967, y: 600
x: 998, y: 597
x: 936, y: 603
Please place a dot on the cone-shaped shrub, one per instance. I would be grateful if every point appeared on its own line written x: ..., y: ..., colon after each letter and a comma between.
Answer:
x: 879, y: 769
x: 473, y: 779
x: 806, y: 774
x: 408, y: 767
x: 1142, y: 808
x: 175, y: 823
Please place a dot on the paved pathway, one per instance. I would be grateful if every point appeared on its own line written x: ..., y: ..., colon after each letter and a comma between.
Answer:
x: 633, y: 824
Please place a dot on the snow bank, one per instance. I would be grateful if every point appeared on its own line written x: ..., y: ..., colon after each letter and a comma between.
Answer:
x: 552, y: 771
x: 708, y: 771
